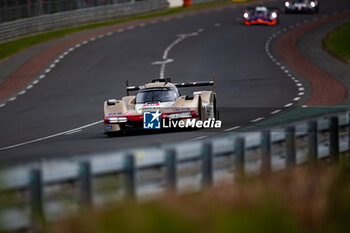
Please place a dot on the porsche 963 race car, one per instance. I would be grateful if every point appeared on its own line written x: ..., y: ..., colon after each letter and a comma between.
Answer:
x: 162, y: 99
x: 260, y: 15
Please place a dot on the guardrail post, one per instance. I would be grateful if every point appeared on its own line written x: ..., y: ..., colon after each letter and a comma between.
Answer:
x: 130, y: 176
x: 312, y: 142
x: 334, y: 139
x: 290, y: 145
x: 36, y: 199
x: 239, y: 160
x: 266, y: 151
x: 348, y: 117
x: 85, y: 190
x: 207, y: 165
x: 171, y: 170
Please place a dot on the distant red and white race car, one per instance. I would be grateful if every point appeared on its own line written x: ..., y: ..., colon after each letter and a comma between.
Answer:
x: 261, y: 15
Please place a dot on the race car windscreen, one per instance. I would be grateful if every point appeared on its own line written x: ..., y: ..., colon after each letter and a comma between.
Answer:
x: 152, y: 96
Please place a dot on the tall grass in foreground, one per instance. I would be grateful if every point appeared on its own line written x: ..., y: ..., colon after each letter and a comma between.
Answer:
x: 302, y: 200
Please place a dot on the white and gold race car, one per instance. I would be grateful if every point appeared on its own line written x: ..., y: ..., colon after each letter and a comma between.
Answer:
x: 158, y: 105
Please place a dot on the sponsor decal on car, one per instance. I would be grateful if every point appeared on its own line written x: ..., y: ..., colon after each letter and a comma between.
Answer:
x: 192, y: 123
x: 109, y: 127
x: 151, y: 120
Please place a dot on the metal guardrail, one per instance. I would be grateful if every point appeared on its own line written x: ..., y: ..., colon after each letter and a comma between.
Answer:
x: 12, y: 10
x: 54, y: 189
x: 23, y: 27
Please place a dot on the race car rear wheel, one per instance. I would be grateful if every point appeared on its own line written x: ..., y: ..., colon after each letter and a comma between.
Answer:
x: 200, y: 109
x: 215, y: 111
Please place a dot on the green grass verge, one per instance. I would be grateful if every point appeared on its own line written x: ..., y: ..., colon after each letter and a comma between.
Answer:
x: 337, y: 42
x: 9, y: 48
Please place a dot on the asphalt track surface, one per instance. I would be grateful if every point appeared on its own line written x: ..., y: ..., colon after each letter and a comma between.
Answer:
x: 250, y: 86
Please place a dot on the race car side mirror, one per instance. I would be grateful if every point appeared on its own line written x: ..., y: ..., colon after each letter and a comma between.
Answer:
x: 111, y: 102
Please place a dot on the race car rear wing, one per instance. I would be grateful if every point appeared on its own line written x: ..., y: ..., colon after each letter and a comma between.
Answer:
x: 178, y: 85
x: 269, y: 8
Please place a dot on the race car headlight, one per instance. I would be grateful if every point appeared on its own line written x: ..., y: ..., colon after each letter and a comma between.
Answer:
x: 246, y: 15
x: 274, y: 15
x: 117, y: 120
x: 287, y: 4
x: 313, y: 4
x: 179, y: 115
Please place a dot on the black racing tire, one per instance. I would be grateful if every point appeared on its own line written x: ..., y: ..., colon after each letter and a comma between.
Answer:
x: 114, y: 134
x: 216, y: 115
x: 200, y: 109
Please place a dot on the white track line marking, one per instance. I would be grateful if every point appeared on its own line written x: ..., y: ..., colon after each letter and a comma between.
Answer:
x: 35, y: 81
x: 296, y: 98
x: 72, y: 132
x: 162, y: 67
x: 181, y: 38
x: 301, y: 89
x: 142, y: 25
x: 288, y: 105
x: 120, y: 30
x: 12, y: 99
x: 276, y: 111
x: 301, y: 93
x: 22, y: 92
x: 167, y: 51
x: 257, y: 119
x: 217, y: 25
x: 42, y: 76
x: 233, y: 128
x: 29, y: 87
x: 52, y: 66
x: 47, y: 70
x: 2, y: 105
x: 50, y: 136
